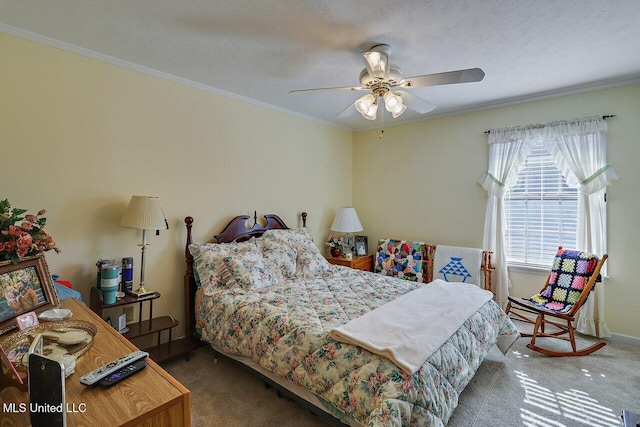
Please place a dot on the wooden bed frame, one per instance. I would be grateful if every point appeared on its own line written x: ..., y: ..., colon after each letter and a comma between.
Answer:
x: 237, y: 231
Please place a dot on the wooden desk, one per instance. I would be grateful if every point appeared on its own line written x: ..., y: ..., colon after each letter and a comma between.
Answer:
x: 357, y: 262
x: 149, y: 398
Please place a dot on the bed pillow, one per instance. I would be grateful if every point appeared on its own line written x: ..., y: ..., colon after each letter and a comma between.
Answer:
x: 281, y: 256
x: 309, y: 260
x: 207, y: 259
x: 249, y: 270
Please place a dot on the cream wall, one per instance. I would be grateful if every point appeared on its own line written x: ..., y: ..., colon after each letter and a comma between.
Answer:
x: 420, y: 183
x: 79, y: 137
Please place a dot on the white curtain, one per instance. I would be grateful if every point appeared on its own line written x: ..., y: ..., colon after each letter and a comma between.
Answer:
x: 507, y: 153
x: 579, y: 151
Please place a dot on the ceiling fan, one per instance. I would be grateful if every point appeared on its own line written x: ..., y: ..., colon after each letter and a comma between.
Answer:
x: 383, y: 79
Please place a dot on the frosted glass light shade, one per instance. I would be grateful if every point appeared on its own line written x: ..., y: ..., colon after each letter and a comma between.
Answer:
x: 393, y: 103
x: 398, y: 110
x: 377, y: 64
x: 364, y: 103
x: 367, y: 105
x: 144, y: 213
x: 346, y: 221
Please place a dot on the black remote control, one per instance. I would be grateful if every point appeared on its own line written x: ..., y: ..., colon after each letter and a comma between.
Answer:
x: 122, y: 373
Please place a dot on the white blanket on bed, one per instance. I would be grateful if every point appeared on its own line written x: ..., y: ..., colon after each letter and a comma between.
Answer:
x: 410, y: 328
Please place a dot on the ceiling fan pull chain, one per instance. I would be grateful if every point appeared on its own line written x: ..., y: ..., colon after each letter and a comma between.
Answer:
x: 382, y: 125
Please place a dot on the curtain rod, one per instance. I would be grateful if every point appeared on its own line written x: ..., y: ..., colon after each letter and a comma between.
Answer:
x: 605, y: 117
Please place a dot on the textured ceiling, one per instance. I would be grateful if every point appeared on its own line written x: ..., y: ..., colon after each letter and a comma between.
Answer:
x: 261, y: 50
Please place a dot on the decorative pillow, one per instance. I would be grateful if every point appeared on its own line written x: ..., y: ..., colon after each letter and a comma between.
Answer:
x: 570, y: 272
x: 309, y: 260
x: 291, y: 236
x: 400, y: 258
x: 249, y: 270
x: 207, y: 257
x: 281, y: 256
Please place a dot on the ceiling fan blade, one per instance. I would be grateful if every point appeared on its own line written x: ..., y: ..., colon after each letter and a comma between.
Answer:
x: 415, y: 102
x: 351, y: 108
x: 327, y: 89
x: 450, y: 77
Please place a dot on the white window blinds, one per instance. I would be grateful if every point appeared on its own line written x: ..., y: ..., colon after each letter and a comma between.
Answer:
x: 541, y: 212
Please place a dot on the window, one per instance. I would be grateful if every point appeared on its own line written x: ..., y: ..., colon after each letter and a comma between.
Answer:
x: 541, y: 212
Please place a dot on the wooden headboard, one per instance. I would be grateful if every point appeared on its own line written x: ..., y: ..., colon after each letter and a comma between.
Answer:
x: 235, y: 231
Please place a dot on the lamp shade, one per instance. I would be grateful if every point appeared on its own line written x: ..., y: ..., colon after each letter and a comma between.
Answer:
x: 346, y: 221
x: 144, y: 213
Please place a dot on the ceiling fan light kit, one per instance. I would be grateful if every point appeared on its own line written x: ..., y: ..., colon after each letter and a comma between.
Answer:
x: 393, y: 103
x: 380, y: 78
x: 367, y: 105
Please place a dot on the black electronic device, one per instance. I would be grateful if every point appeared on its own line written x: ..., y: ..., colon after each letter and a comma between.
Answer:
x: 122, y: 373
x: 47, y: 404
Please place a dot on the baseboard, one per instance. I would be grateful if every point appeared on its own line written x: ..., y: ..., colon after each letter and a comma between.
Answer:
x: 623, y: 339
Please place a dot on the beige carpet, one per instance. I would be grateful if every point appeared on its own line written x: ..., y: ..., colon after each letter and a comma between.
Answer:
x: 523, y: 388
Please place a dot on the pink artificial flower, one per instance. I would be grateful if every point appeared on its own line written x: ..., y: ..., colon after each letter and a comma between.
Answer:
x: 26, y: 225
x: 15, y: 231
x: 24, y: 244
x: 31, y: 218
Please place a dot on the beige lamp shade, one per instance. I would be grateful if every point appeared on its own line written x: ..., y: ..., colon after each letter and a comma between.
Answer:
x: 346, y: 221
x: 144, y: 213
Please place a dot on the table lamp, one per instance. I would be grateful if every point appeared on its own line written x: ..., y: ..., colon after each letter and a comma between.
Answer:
x: 347, y: 222
x: 144, y: 213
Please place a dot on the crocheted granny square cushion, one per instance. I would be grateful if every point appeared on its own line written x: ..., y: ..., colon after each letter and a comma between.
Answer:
x: 570, y: 272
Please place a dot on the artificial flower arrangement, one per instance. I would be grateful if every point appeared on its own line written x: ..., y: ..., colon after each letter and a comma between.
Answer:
x: 22, y: 234
x: 334, y: 242
x: 335, y: 245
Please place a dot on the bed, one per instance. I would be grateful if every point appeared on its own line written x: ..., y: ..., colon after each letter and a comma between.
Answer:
x: 265, y: 297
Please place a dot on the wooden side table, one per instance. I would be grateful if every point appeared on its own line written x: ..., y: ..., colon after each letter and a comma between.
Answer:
x: 151, y: 397
x: 357, y: 262
x: 159, y: 352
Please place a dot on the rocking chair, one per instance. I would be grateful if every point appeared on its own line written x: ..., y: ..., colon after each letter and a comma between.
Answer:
x: 568, y: 285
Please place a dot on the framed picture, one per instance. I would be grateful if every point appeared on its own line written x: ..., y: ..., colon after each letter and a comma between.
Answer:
x: 24, y: 287
x: 361, y: 246
x: 27, y: 320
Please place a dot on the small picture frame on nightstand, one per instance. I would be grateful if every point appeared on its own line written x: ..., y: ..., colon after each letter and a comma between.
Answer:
x: 361, y: 245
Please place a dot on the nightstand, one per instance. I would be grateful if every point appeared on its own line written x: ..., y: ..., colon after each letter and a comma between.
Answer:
x: 357, y: 262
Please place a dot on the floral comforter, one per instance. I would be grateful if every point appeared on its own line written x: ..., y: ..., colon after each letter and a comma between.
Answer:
x: 284, y: 328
